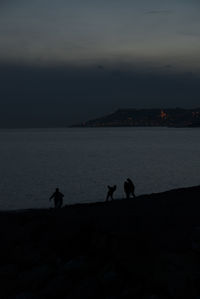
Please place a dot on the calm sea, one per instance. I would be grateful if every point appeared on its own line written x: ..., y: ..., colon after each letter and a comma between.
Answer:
x: 81, y: 162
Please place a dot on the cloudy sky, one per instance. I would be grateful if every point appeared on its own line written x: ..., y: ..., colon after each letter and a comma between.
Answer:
x: 64, y: 61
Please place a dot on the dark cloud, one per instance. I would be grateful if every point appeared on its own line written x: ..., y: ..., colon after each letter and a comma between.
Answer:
x: 100, y: 67
x: 168, y: 66
x: 60, y: 96
x: 189, y: 33
x: 160, y: 12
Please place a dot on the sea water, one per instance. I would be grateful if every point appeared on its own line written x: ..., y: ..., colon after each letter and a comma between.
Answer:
x: 81, y: 162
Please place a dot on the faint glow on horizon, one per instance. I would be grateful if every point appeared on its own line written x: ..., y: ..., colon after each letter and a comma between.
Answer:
x: 136, y: 34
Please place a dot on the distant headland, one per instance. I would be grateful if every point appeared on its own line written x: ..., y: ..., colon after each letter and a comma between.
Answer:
x: 172, y: 117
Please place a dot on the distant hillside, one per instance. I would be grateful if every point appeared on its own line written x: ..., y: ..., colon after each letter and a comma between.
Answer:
x: 148, y: 117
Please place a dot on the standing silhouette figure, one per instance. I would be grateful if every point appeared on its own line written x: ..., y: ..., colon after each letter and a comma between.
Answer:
x: 58, y: 198
x: 132, y: 187
x: 127, y: 189
x: 111, y: 190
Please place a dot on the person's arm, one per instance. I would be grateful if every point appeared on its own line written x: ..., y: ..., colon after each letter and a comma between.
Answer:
x: 51, y: 196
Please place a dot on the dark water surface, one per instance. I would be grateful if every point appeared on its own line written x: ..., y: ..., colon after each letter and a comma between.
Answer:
x: 81, y: 162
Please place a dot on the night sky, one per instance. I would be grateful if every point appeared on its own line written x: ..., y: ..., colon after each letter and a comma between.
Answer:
x: 62, y: 62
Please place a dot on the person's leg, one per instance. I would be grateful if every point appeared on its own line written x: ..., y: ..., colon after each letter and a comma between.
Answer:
x: 107, y: 197
x: 55, y: 203
x: 133, y: 194
x: 59, y: 205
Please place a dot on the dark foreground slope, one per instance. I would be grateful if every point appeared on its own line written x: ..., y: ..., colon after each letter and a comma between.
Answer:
x: 143, y: 248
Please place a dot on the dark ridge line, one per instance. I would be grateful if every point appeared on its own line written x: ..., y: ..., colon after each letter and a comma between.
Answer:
x: 146, y: 197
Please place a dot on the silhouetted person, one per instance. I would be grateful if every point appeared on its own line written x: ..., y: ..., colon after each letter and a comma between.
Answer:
x: 58, y: 198
x: 132, y: 187
x: 127, y: 189
x: 111, y: 190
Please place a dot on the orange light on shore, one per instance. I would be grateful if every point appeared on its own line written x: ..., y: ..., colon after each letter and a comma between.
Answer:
x: 163, y: 115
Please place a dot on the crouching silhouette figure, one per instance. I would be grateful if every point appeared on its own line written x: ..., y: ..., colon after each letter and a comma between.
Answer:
x: 58, y: 198
x: 111, y: 190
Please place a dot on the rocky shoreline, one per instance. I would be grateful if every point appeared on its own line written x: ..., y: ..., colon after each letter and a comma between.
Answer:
x: 148, y: 247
